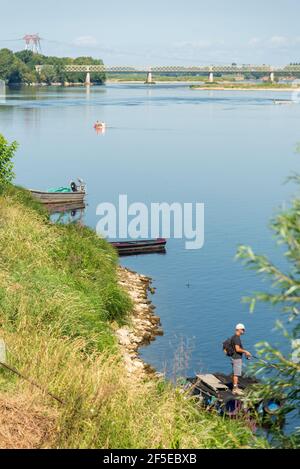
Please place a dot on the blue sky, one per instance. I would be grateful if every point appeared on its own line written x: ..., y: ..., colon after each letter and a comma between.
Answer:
x: 140, y: 32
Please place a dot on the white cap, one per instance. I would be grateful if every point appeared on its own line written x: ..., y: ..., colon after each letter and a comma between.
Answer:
x: 239, y: 327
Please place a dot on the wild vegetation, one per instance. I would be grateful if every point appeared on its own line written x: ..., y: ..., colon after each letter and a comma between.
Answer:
x: 58, y: 296
x: 167, y: 77
x: 283, y: 377
x: 7, y: 152
x: 59, y: 301
x: 19, y: 68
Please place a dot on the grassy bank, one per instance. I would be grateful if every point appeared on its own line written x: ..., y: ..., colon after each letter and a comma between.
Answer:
x: 59, y: 295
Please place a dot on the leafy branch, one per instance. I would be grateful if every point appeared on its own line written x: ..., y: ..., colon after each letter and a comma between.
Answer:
x: 7, y: 153
x: 280, y: 370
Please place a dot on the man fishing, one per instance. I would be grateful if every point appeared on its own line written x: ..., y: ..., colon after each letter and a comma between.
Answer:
x: 234, y: 348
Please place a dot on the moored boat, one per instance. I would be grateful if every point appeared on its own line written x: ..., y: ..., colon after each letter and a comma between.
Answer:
x: 142, y: 246
x: 214, y: 391
x: 73, y: 194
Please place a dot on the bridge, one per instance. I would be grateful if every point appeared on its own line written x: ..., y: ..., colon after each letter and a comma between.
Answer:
x: 180, y: 70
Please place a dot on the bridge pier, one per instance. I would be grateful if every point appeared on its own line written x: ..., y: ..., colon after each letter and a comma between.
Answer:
x: 88, y: 79
x: 2, y: 95
x: 272, y: 77
x: 211, y: 77
x: 149, y: 80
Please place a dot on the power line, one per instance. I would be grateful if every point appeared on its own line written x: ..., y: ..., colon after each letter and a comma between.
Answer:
x: 144, y: 55
x: 11, y: 40
x: 111, y: 51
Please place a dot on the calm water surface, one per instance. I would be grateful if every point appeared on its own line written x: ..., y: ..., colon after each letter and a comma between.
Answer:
x: 230, y: 150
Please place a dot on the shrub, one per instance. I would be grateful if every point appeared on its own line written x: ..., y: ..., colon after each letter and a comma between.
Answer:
x: 7, y: 152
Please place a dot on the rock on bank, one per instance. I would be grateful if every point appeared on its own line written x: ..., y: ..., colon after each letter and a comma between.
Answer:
x: 143, y: 325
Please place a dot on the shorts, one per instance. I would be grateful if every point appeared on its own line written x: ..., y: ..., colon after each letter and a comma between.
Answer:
x: 237, y: 364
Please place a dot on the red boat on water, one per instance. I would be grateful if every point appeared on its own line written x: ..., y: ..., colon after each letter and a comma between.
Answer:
x: 142, y: 246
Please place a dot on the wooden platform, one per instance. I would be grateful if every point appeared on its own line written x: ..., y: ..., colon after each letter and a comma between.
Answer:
x: 213, y: 382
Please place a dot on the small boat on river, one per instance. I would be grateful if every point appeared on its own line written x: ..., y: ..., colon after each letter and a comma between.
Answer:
x: 64, y: 196
x: 100, y: 127
x: 142, y: 246
x: 283, y: 101
x: 214, y: 391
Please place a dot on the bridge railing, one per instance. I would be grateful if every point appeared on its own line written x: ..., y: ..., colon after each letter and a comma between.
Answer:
x: 178, y: 69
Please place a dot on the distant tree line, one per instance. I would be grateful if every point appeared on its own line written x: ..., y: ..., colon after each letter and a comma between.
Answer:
x: 19, y: 68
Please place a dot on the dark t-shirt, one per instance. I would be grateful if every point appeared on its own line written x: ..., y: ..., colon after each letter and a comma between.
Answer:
x: 236, y: 340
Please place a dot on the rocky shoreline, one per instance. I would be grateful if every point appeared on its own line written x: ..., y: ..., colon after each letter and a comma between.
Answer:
x: 143, y: 326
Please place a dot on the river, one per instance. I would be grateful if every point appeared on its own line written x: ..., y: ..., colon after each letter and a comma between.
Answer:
x: 231, y: 151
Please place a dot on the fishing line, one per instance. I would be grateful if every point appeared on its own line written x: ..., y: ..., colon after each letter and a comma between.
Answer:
x: 270, y: 365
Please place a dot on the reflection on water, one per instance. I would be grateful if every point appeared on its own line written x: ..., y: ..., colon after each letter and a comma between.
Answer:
x: 130, y: 95
x: 66, y: 217
x: 2, y: 91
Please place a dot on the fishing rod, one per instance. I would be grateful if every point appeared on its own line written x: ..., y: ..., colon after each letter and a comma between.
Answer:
x: 32, y: 382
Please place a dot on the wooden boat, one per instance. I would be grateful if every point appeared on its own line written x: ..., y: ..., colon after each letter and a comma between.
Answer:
x: 60, y: 198
x: 147, y: 246
x: 214, y: 391
x: 75, y: 196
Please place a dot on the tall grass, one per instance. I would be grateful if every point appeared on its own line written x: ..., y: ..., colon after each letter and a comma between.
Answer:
x: 58, y: 296
x: 63, y: 277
